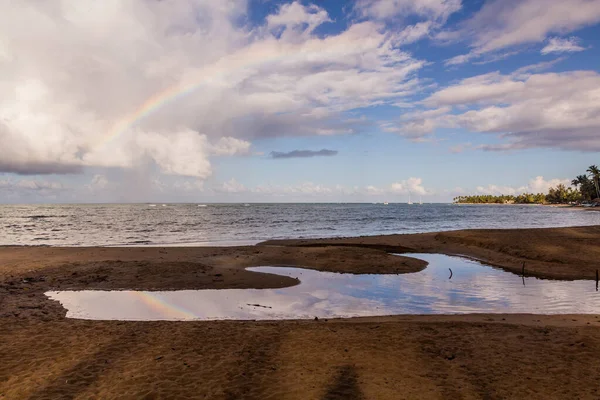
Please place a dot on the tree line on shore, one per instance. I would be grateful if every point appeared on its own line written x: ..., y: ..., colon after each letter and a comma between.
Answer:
x: 584, y: 188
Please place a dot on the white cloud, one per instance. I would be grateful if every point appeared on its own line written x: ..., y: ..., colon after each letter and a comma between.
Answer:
x: 537, y: 67
x: 294, y: 16
x: 416, y: 124
x: 38, y: 185
x: 386, y: 9
x: 98, y: 183
x: 558, y: 45
x: 229, y: 146
x: 535, y: 185
x: 413, y: 33
x: 540, y: 185
x: 431, y: 16
x: 499, y: 190
x: 478, y: 89
x: 373, y: 190
x: 154, y: 188
x: 31, y: 186
x: 179, y: 153
x: 411, y: 185
x: 130, y: 82
x: 189, y: 186
x: 300, y: 189
x: 460, y: 59
x: 501, y: 24
x: 310, y: 189
x: 313, y: 190
x: 231, y: 186
x: 554, y: 110
x: 491, y: 58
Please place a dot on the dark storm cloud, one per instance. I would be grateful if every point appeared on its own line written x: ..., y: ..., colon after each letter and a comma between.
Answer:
x: 303, y: 153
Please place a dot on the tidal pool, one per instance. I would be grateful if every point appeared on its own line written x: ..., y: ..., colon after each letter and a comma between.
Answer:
x: 473, y: 288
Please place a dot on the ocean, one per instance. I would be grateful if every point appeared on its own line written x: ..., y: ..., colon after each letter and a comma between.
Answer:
x: 240, y: 224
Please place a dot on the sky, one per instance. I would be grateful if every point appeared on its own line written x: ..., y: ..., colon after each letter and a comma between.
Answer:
x: 295, y: 101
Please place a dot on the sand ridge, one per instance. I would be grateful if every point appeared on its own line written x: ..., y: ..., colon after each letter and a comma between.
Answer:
x: 551, y: 253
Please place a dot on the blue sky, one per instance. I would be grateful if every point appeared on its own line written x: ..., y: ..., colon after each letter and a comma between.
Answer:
x: 234, y: 100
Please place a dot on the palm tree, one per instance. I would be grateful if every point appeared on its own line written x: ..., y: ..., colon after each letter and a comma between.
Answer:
x: 586, y: 186
x: 580, y: 180
x: 594, y: 172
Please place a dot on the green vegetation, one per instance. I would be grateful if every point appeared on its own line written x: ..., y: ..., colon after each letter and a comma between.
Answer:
x: 585, y: 188
x: 594, y: 173
x: 525, y: 198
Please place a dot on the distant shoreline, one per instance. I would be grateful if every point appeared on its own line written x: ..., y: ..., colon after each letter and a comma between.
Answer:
x: 570, y: 206
x: 499, y: 204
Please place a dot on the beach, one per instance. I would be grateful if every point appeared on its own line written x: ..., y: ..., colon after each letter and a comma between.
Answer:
x: 300, y: 199
x: 45, y: 355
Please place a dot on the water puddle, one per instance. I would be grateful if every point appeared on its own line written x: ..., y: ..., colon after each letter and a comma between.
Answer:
x: 474, y: 288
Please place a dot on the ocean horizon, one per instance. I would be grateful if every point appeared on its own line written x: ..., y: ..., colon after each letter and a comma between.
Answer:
x: 197, y: 224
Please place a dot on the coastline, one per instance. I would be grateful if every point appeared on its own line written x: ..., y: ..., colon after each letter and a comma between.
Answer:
x: 27, y: 272
x: 499, y: 204
x: 569, y: 206
x: 550, y: 253
x: 439, y: 356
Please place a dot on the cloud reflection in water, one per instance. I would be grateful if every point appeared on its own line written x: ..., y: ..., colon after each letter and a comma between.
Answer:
x: 473, y: 288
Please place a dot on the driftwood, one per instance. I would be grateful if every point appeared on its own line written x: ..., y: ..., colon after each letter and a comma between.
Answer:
x: 450, y: 274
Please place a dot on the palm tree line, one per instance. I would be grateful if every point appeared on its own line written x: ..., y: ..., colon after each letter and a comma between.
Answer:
x: 585, y: 188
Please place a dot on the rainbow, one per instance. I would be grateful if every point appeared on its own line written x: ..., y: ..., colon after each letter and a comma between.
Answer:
x: 161, y: 305
x: 149, y: 106
x: 252, y: 56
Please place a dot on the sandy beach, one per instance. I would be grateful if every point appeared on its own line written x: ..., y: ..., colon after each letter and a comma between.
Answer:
x: 300, y: 199
x: 45, y: 355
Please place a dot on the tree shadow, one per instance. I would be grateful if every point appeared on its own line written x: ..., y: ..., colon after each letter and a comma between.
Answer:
x: 85, y: 373
x: 345, y: 386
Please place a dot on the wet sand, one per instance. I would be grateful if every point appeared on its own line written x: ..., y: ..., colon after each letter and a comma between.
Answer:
x: 554, y: 253
x: 47, y: 356
x: 27, y: 272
